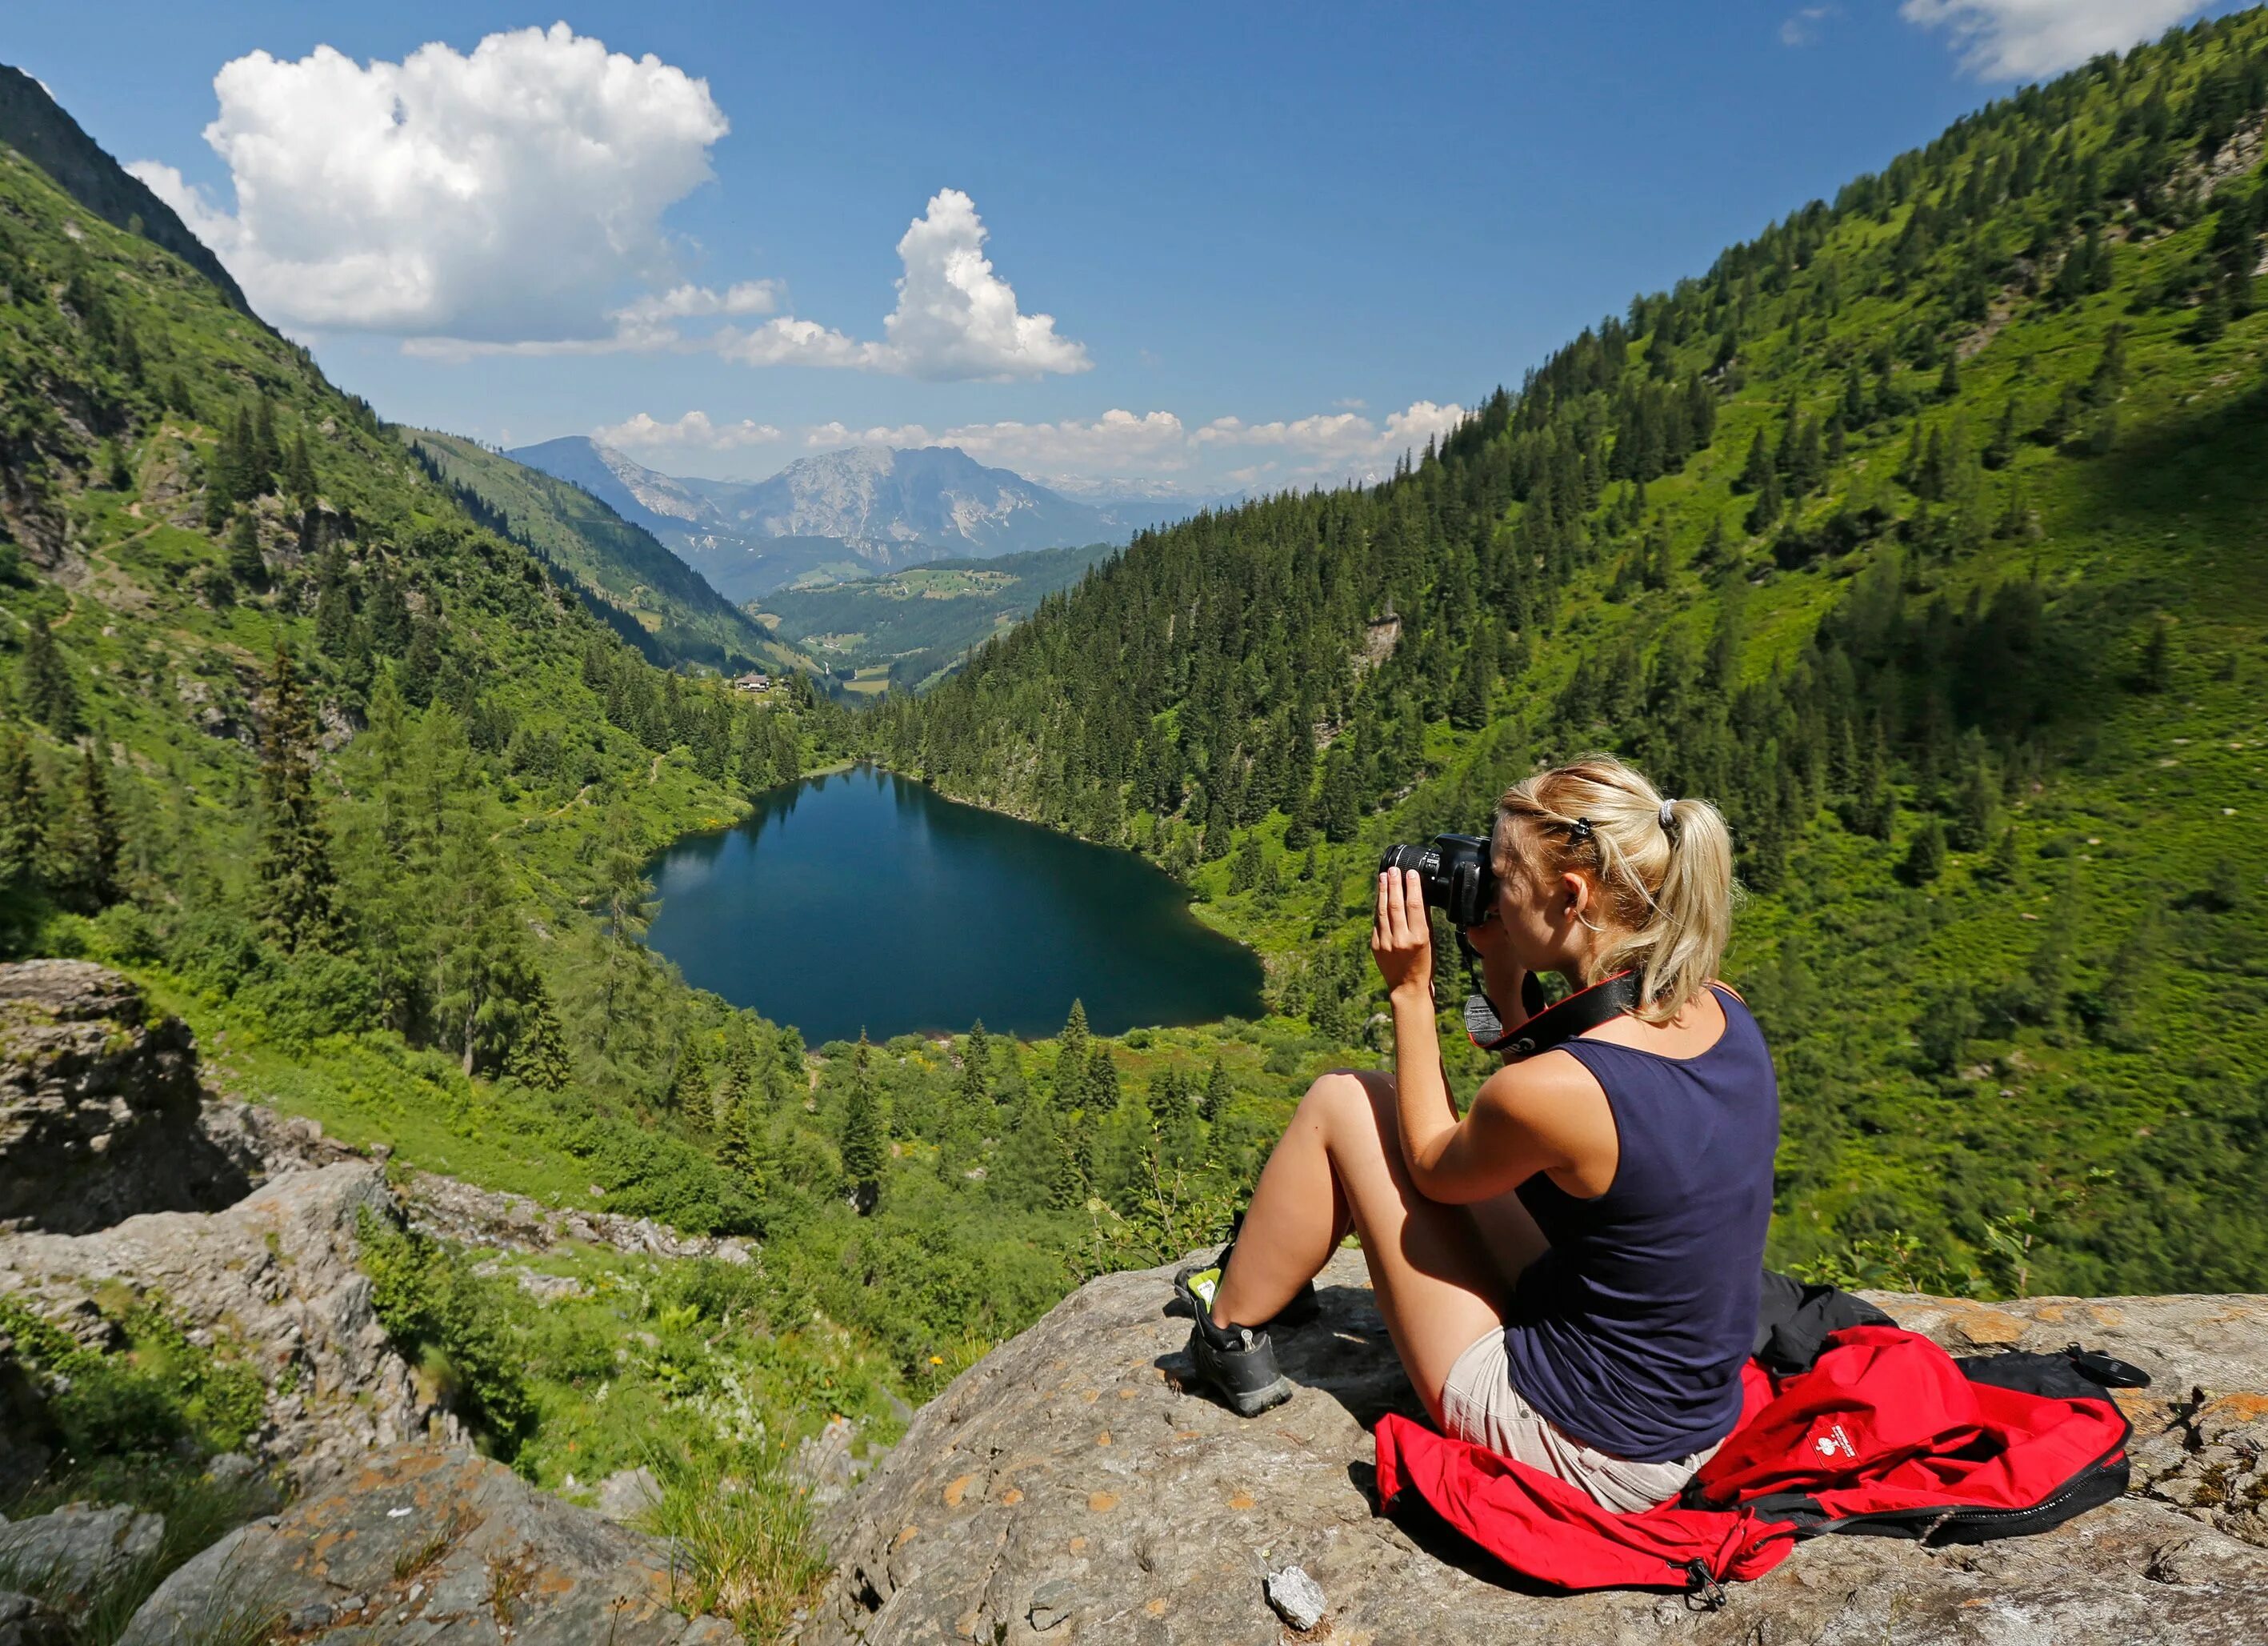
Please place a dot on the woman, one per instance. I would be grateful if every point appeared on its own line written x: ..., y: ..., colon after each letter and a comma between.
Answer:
x: 1571, y: 1271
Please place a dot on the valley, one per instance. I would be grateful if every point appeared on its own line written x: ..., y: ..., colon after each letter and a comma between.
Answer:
x: 379, y: 788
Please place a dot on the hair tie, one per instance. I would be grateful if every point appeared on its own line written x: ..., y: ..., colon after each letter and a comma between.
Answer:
x: 1669, y: 816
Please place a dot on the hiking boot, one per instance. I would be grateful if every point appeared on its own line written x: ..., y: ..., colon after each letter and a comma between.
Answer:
x: 1239, y: 1365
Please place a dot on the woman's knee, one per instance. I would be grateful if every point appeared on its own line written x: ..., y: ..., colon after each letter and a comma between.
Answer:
x: 1352, y: 1105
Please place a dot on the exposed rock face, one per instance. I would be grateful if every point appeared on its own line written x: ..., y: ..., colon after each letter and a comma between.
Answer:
x: 459, y: 1211
x: 1064, y: 1489
x: 72, y: 1550
x: 276, y: 1272
x: 435, y: 1546
x: 100, y: 1112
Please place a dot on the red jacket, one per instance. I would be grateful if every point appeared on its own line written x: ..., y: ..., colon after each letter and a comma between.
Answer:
x: 1883, y: 1427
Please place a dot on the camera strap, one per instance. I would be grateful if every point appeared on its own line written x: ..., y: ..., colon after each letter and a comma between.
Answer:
x: 1549, y: 1026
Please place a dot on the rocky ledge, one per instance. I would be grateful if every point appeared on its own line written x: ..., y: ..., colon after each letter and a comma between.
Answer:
x: 436, y: 1547
x: 1064, y: 1489
x: 101, y: 1112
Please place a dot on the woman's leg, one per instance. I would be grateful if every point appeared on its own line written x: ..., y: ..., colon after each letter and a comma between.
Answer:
x: 1340, y: 1162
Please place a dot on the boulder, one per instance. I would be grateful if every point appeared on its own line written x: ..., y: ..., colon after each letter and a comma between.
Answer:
x: 100, y: 1111
x: 27, y: 1621
x: 437, y: 1546
x: 74, y: 1550
x: 1064, y: 1489
x: 276, y: 1272
x: 473, y: 1216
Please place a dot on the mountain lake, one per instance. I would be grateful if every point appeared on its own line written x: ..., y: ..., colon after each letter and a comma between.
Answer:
x: 863, y: 900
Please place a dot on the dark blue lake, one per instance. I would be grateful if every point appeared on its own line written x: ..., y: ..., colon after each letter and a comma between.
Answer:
x: 863, y: 900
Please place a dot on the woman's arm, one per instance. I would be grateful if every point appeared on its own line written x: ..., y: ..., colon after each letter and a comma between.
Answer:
x: 1527, y: 1119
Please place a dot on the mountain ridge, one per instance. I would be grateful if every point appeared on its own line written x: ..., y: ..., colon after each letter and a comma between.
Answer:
x: 876, y: 509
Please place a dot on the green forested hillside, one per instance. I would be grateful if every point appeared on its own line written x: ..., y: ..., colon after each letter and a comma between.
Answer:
x: 362, y: 790
x: 632, y: 584
x: 1928, y: 534
x: 920, y: 622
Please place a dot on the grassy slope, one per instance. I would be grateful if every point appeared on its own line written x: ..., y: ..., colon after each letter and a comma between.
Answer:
x: 920, y: 621
x: 2064, y: 1153
x: 619, y: 564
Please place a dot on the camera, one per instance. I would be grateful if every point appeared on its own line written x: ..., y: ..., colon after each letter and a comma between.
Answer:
x: 1455, y: 873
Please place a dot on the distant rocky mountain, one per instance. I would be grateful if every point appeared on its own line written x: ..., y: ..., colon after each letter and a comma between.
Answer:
x: 856, y: 512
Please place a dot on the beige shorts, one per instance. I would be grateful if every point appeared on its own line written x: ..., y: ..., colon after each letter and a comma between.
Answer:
x: 1479, y: 1404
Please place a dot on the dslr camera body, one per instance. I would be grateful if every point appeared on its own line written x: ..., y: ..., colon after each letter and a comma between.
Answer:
x: 1455, y: 874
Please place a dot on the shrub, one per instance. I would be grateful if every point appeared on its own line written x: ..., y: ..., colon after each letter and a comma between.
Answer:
x: 456, y: 1324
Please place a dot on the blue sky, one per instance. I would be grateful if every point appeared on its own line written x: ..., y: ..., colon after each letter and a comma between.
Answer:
x: 1275, y: 243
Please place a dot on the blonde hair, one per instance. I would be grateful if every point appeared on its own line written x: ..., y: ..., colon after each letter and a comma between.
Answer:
x: 1663, y: 868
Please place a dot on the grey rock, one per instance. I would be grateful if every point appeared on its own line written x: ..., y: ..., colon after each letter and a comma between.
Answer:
x: 74, y: 1550
x: 25, y: 1621
x: 627, y: 1493
x: 276, y: 1272
x: 824, y: 1463
x: 473, y: 1216
x: 1069, y: 1454
x: 100, y: 1111
x: 1297, y: 1598
x: 1053, y: 1604
x: 480, y: 1553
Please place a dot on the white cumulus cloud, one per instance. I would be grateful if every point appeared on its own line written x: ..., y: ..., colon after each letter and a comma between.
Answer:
x: 1116, y: 442
x: 2024, y: 39
x: 1804, y: 26
x: 832, y: 435
x: 956, y: 319
x: 504, y: 197
x: 693, y: 432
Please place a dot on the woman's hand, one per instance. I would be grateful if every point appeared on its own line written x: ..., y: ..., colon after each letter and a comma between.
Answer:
x: 1401, y: 940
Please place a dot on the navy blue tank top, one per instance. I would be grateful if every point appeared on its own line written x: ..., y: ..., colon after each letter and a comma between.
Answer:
x: 1630, y: 1332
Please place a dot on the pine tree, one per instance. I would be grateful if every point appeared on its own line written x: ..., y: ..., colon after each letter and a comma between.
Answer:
x: 247, y: 567
x: 94, y: 832
x: 299, y: 472
x: 23, y: 814
x: 1768, y: 507
x: 1102, y: 1090
x: 2000, y: 451
x: 335, y: 624
x: 1924, y: 859
x: 2004, y: 864
x: 1244, y: 868
x: 1469, y: 710
x: 1218, y: 1092
x: 295, y: 892
x: 1071, y: 1058
x: 2156, y: 671
x: 539, y: 1049
x: 690, y: 1081
x: 864, y: 1147
x: 626, y: 906
x: 1340, y: 802
x: 976, y: 1069
x: 263, y: 456
x: 224, y: 477
x: 1759, y: 466
x: 44, y: 683
x: 1948, y: 381
x: 1180, y: 1144
x: 1976, y: 807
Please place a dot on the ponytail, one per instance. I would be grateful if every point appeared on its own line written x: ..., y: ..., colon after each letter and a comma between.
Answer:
x: 1663, y: 868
